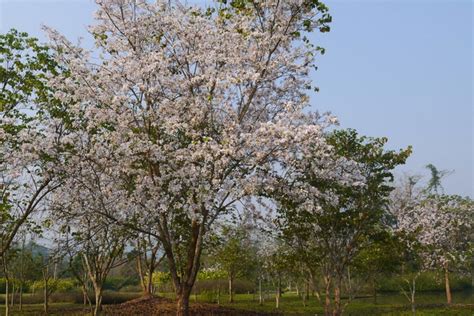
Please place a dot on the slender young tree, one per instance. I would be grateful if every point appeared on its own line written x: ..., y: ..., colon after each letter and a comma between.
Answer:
x: 148, y: 259
x: 234, y: 255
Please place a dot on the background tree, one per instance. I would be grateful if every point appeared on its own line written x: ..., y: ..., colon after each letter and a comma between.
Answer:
x: 235, y: 255
x: 345, y: 217
x: 25, y: 150
x: 381, y: 258
x: 434, y: 184
x: 102, y: 250
x: 442, y: 225
x: 148, y: 258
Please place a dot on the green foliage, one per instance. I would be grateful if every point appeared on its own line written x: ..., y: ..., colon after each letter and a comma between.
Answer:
x: 383, y: 256
x: 23, y: 67
x: 211, y: 274
x: 55, y: 285
x: 363, y: 207
x: 235, y: 253
x: 161, y: 278
x: 247, y: 7
x: 24, y: 96
x: 359, y: 213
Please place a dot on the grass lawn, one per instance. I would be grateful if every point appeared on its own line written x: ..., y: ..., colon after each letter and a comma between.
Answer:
x: 393, y: 304
x: 291, y: 304
x: 54, y: 309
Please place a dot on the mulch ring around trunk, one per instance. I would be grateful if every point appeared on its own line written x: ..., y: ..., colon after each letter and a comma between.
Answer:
x: 163, y: 306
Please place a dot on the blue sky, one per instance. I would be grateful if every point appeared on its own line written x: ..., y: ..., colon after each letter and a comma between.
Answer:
x: 401, y: 69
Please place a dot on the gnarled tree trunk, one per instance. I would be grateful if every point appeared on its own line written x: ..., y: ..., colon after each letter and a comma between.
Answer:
x: 327, y: 298
x: 337, y: 299
x: 184, y: 281
x: 183, y: 301
x: 98, y: 299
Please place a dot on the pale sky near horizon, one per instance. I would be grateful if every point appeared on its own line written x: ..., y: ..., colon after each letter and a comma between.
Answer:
x: 401, y: 69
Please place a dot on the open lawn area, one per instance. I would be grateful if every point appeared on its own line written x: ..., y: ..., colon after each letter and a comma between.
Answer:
x: 391, y: 304
x: 290, y: 304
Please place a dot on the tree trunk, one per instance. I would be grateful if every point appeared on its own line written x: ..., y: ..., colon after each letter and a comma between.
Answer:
x: 304, y: 300
x: 447, y: 285
x: 183, y: 284
x: 260, y: 296
x: 22, y: 268
x: 413, y: 291
x: 13, y: 295
x: 45, y: 296
x: 141, y: 275
x: 85, y: 295
x: 472, y: 271
x: 306, y: 289
x: 183, y: 301
x: 314, y: 286
x: 98, y: 299
x: 349, y: 285
x: 337, y: 300
x: 7, y: 281
x: 231, y: 289
x: 149, y: 286
x: 278, y: 293
x: 327, y: 298
x: 7, y: 311
x: 20, y: 302
x: 374, y: 290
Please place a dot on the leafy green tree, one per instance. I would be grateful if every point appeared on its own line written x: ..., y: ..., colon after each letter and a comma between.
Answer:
x: 381, y: 258
x: 349, y: 216
x: 25, y: 97
x: 234, y: 255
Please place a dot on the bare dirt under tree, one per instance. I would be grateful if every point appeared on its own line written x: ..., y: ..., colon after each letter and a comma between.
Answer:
x: 164, y: 307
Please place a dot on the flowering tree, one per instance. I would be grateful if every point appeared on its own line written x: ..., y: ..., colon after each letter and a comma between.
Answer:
x: 442, y: 227
x: 195, y: 105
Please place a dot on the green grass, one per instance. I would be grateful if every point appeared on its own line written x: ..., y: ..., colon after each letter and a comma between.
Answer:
x: 56, y: 309
x: 290, y: 304
x: 392, y: 304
